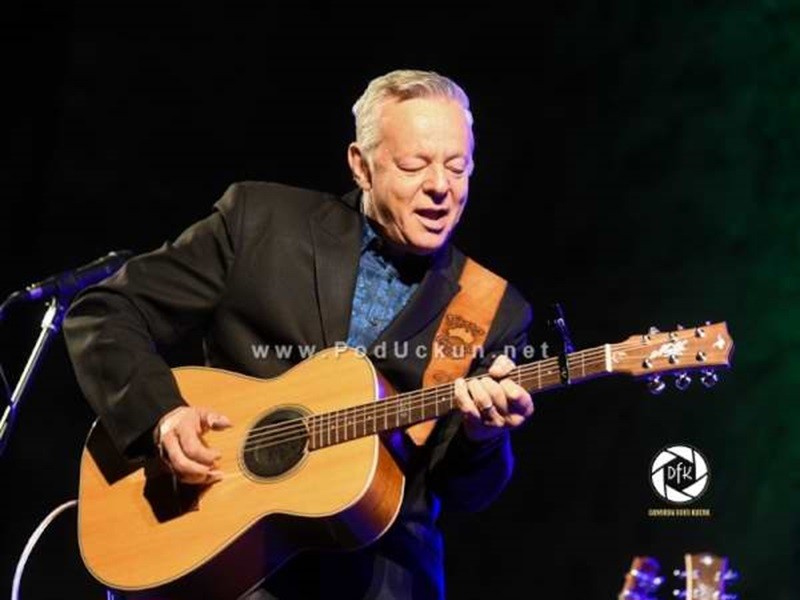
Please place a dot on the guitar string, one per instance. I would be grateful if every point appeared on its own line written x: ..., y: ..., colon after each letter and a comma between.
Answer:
x: 412, y: 401
x: 308, y: 426
x: 408, y: 398
x: 576, y: 358
x: 299, y: 430
x: 354, y: 416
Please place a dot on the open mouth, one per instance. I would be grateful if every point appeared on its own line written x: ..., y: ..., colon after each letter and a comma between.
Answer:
x: 433, y: 219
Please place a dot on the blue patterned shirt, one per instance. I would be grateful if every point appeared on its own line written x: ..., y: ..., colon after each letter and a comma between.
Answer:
x: 383, y: 287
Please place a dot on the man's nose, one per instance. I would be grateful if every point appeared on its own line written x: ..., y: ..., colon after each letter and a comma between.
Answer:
x: 436, y: 184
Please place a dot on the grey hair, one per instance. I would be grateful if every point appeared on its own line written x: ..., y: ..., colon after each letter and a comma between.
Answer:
x: 401, y: 85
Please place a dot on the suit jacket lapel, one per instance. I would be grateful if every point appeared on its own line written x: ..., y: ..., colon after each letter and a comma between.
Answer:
x: 336, y: 234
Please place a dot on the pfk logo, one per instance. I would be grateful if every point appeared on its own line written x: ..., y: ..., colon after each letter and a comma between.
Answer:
x: 679, y: 474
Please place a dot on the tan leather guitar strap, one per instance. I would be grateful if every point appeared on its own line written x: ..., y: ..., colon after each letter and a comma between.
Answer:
x: 463, y: 329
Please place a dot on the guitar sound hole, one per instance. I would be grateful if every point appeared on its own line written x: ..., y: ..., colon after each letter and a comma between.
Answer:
x: 276, y: 443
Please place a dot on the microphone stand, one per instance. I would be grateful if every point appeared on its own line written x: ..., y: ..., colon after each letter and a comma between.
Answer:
x: 60, y: 289
x: 51, y: 325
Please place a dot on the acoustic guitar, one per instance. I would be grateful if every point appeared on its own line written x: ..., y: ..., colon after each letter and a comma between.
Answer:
x: 304, y: 464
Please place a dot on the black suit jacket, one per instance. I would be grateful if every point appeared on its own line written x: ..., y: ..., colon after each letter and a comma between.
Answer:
x: 277, y: 265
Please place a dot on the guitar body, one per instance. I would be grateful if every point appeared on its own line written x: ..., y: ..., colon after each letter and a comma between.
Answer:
x: 143, y: 533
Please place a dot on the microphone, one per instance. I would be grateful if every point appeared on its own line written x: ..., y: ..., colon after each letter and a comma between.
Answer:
x: 67, y: 284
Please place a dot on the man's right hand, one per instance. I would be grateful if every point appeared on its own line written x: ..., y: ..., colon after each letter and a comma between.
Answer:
x: 178, y: 437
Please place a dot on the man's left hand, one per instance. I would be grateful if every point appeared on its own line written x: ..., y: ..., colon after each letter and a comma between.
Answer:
x: 491, y: 405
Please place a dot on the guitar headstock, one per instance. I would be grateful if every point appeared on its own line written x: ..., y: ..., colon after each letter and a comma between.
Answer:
x: 702, y: 348
x: 642, y: 580
x: 707, y: 576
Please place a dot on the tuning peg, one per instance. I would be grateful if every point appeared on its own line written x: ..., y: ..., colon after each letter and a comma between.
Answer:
x: 679, y: 327
x: 679, y: 593
x: 730, y: 575
x: 655, y: 385
x: 679, y: 573
x: 653, y: 330
x: 709, y: 378
x: 647, y: 581
x: 683, y: 381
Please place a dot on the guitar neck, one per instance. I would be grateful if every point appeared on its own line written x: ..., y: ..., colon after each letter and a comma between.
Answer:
x: 403, y: 410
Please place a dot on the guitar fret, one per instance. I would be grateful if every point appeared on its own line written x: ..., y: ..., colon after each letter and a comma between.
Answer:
x: 539, y: 365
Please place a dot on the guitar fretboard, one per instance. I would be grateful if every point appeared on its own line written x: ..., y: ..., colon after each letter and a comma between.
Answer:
x: 409, y: 408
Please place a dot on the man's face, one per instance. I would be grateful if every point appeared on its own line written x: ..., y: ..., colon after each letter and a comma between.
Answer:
x: 420, y: 172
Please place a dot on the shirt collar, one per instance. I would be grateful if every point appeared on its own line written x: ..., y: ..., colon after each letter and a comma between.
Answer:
x: 369, y: 237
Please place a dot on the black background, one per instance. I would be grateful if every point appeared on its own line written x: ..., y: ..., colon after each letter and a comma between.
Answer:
x: 611, y: 176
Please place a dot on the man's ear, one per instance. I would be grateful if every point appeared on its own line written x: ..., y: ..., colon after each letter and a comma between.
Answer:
x: 359, y: 165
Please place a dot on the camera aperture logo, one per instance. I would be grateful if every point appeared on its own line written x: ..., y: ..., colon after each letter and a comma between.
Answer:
x: 680, y: 475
